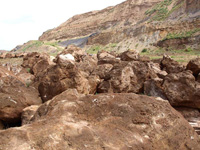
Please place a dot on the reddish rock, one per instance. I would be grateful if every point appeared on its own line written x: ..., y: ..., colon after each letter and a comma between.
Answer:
x: 36, y: 62
x: 156, y: 68
x: 3, y: 55
x: 28, y: 114
x: 130, y: 55
x: 181, y: 89
x: 59, y: 78
x: 103, y: 71
x: 15, y: 96
x: 194, y: 66
x: 170, y: 65
x: 76, y: 52
x: 153, y: 88
x: 107, y: 58
x: 104, y: 121
x: 188, y: 113
x: 127, y: 77
x: 10, y: 55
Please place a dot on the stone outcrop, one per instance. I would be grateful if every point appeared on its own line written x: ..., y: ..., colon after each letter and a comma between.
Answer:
x: 105, y: 121
x: 170, y: 65
x: 36, y: 62
x: 181, y: 89
x: 72, y: 70
x: 194, y: 66
x: 127, y: 77
x: 15, y: 96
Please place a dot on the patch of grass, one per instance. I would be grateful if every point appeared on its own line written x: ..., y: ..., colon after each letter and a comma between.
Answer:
x: 94, y: 49
x: 181, y: 35
x: 175, y: 8
x: 161, y: 11
x: 113, y: 45
x: 33, y: 44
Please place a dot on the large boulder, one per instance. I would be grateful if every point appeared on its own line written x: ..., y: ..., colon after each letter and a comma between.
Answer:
x: 105, y: 57
x: 130, y: 55
x: 104, y: 121
x: 36, y: 62
x: 194, y: 66
x: 181, y: 89
x: 15, y: 96
x: 76, y: 52
x: 127, y: 77
x: 170, y: 65
x: 66, y: 74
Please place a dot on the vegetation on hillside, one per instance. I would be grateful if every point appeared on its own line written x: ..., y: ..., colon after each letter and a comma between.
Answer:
x: 161, y: 11
x: 95, y: 48
x: 181, y: 34
x: 181, y: 55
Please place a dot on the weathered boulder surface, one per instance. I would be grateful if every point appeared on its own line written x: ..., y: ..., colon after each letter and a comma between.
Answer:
x: 194, y: 66
x: 170, y: 65
x: 68, y: 74
x: 104, y: 121
x: 36, y: 62
x: 28, y: 113
x: 181, y: 89
x: 15, y: 96
x: 76, y: 52
x: 105, y: 57
x: 127, y: 77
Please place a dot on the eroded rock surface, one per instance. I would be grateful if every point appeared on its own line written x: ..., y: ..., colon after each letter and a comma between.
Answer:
x: 15, y: 96
x: 194, y: 66
x: 105, y: 121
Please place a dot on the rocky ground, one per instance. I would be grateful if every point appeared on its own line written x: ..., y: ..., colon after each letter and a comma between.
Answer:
x: 105, y: 101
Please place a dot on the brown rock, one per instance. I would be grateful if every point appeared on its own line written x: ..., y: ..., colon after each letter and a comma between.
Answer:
x: 153, y: 88
x: 130, y: 55
x: 107, y: 58
x: 170, y: 65
x: 127, y: 77
x: 36, y: 62
x: 182, y: 90
x: 103, y: 71
x: 188, y: 113
x: 3, y: 55
x: 105, y: 121
x: 156, y: 68
x: 15, y: 96
x: 10, y: 55
x: 194, y: 66
x: 76, y: 52
x: 61, y: 77
x: 28, y: 114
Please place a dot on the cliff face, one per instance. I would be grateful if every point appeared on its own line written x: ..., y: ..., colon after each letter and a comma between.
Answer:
x: 125, y: 14
x: 134, y: 24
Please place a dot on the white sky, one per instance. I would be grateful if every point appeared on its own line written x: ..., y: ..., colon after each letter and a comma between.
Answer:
x: 24, y: 20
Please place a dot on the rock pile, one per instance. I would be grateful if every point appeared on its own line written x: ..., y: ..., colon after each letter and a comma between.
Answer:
x: 89, y: 102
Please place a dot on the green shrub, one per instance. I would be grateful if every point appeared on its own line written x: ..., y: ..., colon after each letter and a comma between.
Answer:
x: 181, y: 35
x: 144, y: 50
